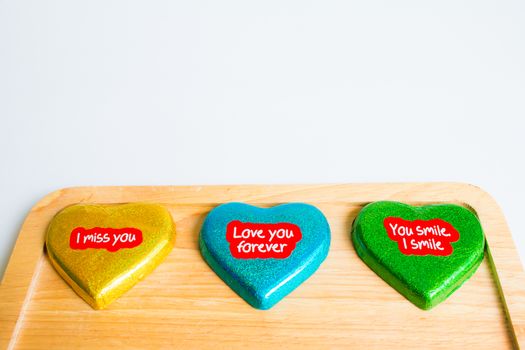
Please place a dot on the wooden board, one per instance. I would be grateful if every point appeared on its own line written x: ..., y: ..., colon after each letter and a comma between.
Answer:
x: 184, y: 305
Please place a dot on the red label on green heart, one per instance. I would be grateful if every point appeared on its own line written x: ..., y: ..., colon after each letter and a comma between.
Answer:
x: 253, y: 240
x: 105, y: 238
x: 422, y: 237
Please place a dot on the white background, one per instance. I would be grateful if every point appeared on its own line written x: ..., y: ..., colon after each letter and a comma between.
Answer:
x: 192, y: 92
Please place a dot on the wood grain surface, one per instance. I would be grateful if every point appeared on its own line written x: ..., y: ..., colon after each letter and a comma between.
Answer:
x: 184, y: 305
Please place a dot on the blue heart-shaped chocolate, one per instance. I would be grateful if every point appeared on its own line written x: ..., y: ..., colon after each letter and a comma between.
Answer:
x: 264, y: 253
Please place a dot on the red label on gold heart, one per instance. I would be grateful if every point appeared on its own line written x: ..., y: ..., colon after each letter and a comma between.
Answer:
x: 422, y: 237
x: 252, y: 240
x: 107, y: 238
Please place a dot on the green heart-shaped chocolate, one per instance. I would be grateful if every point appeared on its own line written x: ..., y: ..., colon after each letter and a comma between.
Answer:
x: 425, y: 253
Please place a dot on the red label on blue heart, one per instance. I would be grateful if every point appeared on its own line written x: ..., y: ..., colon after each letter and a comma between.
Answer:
x: 422, y: 237
x: 253, y: 240
x: 105, y: 238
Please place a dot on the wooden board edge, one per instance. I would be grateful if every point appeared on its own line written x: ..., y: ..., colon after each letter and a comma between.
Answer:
x: 21, y: 271
x: 503, y: 257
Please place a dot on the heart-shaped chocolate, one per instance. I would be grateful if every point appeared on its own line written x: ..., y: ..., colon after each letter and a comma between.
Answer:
x: 425, y: 253
x: 102, y: 251
x: 264, y: 253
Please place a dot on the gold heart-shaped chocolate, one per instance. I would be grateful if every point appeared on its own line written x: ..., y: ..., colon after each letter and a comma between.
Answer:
x: 103, y: 250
